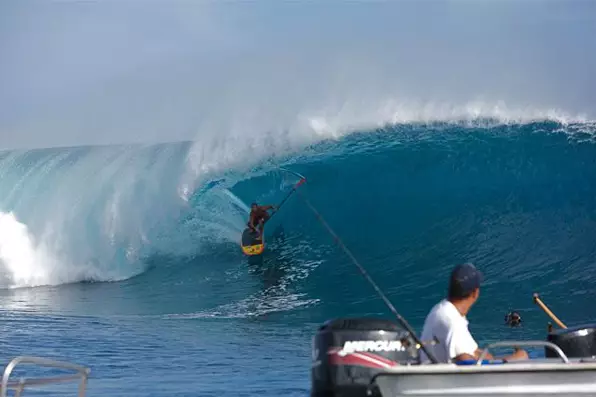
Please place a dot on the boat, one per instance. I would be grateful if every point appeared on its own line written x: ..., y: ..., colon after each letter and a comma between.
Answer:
x: 373, y: 357
x: 370, y: 357
x: 77, y: 372
x: 530, y: 378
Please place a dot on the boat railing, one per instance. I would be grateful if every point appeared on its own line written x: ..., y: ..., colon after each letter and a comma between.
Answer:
x: 81, y: 373
x: 550, y: 345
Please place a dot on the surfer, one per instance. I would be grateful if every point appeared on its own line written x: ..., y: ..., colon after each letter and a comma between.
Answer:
x: 513, y: 319
x: 447, y: 324
x: 258, y: 217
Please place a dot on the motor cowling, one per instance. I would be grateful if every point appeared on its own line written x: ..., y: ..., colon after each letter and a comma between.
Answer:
x: 579, y: 341
x: 347, y: 353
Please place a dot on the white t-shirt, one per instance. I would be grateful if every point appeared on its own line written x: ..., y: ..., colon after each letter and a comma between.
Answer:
x: 450, y: 328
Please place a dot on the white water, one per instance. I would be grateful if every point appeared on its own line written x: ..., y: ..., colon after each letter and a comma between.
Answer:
x: 26, y: 261
x: 84, y: 214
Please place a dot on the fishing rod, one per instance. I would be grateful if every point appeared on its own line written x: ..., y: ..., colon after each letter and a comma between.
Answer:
x: 403, y: 321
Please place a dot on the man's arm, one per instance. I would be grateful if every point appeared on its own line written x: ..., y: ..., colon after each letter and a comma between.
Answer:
x: 518, y: 354
x: 462, y: 346
x: 475, y: 356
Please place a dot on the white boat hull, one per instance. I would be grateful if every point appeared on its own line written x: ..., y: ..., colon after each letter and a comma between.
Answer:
x: 529, y: 378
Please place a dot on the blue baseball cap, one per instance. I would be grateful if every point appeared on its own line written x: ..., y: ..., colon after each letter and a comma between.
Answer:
x: 464, y: 280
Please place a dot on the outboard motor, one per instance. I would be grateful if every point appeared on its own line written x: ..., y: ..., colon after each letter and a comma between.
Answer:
x: 576, y: 342
x: 347, y: 353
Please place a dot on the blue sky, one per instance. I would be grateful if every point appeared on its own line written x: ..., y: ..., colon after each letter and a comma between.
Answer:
x: 94, y: 72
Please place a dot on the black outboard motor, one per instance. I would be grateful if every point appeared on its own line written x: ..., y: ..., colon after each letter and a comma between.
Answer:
x: 347, y: 353
x: 576, y: 342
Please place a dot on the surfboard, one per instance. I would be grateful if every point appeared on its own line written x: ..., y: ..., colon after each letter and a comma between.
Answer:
x: 250, y: 244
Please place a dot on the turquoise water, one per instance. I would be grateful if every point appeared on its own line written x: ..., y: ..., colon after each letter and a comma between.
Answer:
x: 126, y: 258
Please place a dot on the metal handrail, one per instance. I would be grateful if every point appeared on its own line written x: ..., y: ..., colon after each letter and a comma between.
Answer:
x: 554, y: 347
x: 82, y: 373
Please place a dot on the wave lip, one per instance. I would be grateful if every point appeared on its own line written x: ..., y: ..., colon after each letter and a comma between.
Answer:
x: 353, y: 116
x: 243, y: 140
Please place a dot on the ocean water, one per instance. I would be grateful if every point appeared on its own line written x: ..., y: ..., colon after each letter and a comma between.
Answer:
x: 126, y: 259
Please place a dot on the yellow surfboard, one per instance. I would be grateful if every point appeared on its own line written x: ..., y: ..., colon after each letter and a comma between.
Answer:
x: 250, y: 244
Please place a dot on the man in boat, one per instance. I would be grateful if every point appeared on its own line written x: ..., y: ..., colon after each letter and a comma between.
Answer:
x: 258, y: 217
x: 447, y: 326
